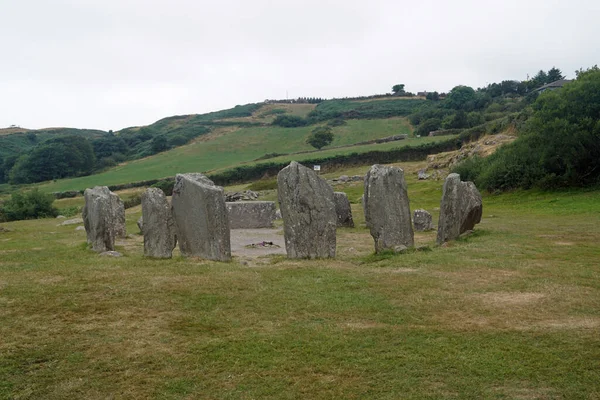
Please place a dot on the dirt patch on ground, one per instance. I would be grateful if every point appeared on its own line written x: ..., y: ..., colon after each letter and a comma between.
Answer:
x: 359, y: 325
x: 254, y: 243
x: 503, y: 299
x: 478, y: 276
x: 570, y: 323
x: 404, y: 270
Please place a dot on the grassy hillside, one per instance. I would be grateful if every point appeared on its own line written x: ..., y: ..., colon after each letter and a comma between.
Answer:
x: 510, y: 312
x: 232, y: 146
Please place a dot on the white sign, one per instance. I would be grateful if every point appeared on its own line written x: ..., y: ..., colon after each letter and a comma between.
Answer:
x: 317, y: 167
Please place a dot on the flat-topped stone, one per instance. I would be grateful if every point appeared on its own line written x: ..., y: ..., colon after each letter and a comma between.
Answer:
x: 251, y: 214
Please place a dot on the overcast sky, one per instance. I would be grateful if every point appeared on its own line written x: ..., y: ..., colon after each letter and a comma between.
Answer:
x: 110, y: 64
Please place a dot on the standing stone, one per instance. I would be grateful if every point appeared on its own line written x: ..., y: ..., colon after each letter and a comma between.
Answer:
x: 387, y: 209
x: 460, y: 209
x: 343, y: 210
x: 308, y: 210
x: 200, y: 216
x: 118, y: 215
x: 422, y: 221
x: 98, y: 219
x: 158, y: 226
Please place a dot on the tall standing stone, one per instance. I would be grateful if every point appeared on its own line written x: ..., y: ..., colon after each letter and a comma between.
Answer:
x: 343, y: 210
x: 308, y: 211
x: 460, y: 209
x: 158, y: 226
x: 387, y: 209
x: 99, y: 218
x: 118, y: 215
x: 200, y: 216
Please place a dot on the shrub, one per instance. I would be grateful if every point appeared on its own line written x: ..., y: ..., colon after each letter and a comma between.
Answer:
x: 429, y: 125
x: 28, y: 205
x: 132, y: 201
x: 166, y: 185
x: 289, y: 121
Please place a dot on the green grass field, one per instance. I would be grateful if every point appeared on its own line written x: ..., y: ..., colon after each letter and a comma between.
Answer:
x: 239, y: 146
x: 510, y: 312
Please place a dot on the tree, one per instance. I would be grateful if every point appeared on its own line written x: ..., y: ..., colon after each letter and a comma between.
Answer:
x: 433, y: 96
x: 159, y: 143
x: 554, y: 74
x: 53, y: 159
x: 398, y: 89
x: 6, y: 166
x: 459, y: 97
x: 559, y: 146
x: 320, y: 137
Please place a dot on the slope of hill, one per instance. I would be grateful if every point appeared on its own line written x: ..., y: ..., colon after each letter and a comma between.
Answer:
x: 228, y: 147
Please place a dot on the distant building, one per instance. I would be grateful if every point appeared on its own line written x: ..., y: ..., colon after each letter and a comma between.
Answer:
x: 422, y: 94
x: 553, y: 85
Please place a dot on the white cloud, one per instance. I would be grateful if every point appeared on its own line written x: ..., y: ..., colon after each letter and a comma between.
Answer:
x: 117, y: 63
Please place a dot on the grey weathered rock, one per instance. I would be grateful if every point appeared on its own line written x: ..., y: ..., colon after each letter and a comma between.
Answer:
x: 158, y: 226
x: 251, y: 214
x: 387, y: 209
x: 308, y: 210
x: 200, y: 216
x: 111, y: 253
x: 343, y: 210
x: 460, y: 209
x: 118, y: 215
x: 422, y: 175
x: 241, y: 196
x: 400, y: 249
x: 422, y: 221
x: 98, y: 219
x: 140, y: 224
x: 80, y: 228
x: 73, y: 221
x: 60, y: 217
x: 278, y: 214
x: 344, y: 178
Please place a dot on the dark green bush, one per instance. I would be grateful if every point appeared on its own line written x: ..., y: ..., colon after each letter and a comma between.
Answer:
x: 166, y: 185
x: 289, y: 121
x: 28, y: 205
x: 558, y: 147
x: 133, y: 200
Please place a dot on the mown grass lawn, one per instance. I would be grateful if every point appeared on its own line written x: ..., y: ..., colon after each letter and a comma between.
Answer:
x: 510, y: 312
